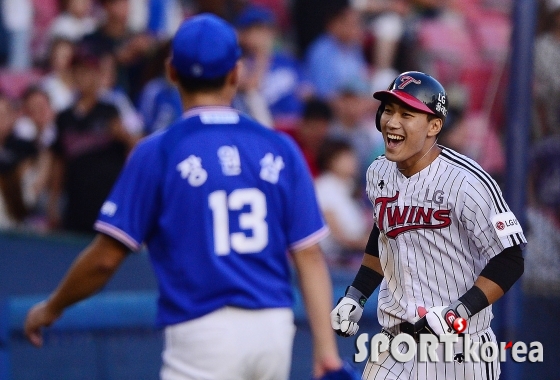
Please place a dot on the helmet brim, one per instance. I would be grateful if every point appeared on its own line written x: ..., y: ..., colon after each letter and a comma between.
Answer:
x: 404, y: 97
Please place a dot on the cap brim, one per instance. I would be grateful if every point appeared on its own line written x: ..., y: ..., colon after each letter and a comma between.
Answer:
x: 404, y: 97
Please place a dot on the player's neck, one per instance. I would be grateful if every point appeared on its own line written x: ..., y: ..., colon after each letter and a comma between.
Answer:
x: 421, y: 163
x: 204, y: 100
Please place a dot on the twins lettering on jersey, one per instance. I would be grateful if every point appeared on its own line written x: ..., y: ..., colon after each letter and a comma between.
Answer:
x: 399, y: 219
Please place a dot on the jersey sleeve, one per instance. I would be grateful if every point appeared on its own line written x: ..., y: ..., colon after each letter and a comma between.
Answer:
x: 487, y: 218
x: 305, y: 223
x: 129, y: 212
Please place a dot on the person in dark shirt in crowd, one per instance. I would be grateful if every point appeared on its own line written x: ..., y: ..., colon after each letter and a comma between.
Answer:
x: 14, y: 152
x: 90, y: 150
x: 312, y: 131
x: 115, y: 37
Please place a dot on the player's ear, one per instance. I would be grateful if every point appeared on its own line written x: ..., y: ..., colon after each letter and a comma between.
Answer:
x: 171, y: 72
x: 435, y: 126
x: 234, y: 75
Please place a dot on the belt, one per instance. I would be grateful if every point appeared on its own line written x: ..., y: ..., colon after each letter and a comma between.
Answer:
x: 410, y: 329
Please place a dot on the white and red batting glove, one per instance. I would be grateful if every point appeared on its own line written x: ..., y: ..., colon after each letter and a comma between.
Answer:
x: 442, y: 320
x: 347, y: 313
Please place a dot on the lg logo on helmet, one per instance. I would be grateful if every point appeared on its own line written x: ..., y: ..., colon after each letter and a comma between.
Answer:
x: 440, y: 106
x: 406, y: 80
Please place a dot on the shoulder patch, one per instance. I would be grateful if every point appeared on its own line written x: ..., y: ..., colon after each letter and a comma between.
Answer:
x: 506, y: 224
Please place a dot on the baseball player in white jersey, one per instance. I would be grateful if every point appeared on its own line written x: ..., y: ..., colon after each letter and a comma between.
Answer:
x: 445, y: 244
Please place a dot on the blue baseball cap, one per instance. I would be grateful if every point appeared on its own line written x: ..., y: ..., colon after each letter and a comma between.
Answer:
x: 205, y: 46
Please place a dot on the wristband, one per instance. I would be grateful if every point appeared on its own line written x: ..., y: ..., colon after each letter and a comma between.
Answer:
x: 367, y: 280
x: 356, y: 295
x: 474, y: 300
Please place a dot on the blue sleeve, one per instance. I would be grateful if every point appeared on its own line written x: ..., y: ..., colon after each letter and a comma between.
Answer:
x: 306, y: 225
x: 130, y: 211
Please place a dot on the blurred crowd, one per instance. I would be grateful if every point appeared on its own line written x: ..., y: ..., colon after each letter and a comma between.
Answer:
x: 81, y: 81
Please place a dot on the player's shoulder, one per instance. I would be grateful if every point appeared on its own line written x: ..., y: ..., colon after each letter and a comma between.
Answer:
x: 467, y: 168
x: 379, y: 162
x: 148, y: 145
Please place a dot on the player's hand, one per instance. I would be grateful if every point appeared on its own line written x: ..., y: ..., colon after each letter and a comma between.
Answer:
x: 39, y: 316
x: 325, y: 364
x: 441, y: 320
x: 347, y: 313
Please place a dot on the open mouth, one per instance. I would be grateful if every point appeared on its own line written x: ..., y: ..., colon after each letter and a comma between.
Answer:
x: 394, y: 140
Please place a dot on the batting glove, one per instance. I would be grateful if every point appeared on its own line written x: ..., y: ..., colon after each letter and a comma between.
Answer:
x: 347, y: 313
x: 439, y: 320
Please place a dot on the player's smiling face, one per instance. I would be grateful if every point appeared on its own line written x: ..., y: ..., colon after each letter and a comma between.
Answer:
x: 408, y: 133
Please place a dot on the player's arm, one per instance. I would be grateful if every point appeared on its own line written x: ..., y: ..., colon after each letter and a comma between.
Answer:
x: 316, y: 288
x: 348, y: 311
x: 89, y: 272
x: 499, y: 275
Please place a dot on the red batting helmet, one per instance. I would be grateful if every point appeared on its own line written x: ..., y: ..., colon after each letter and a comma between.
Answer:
x: 417, y: 90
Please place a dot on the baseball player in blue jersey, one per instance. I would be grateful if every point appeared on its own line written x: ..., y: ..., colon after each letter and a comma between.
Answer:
x: 219, y: 201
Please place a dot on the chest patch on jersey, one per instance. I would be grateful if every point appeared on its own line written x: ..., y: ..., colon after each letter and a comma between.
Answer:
x: 506, y: 224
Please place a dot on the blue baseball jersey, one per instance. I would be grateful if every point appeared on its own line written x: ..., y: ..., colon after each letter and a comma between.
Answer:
x: 219, y: 200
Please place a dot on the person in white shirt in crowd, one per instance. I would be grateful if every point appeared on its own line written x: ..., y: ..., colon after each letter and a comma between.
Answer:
x: 75, y: 21
x: 345, y: 214
x: 58, y: 83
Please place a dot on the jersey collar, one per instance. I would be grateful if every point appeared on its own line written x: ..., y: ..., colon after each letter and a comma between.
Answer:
x: 196, y: 111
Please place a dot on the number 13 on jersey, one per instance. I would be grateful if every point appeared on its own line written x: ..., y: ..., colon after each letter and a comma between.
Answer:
x: 221, y: 204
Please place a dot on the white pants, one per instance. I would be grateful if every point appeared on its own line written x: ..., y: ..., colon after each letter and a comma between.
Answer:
x: 387, y: 368
x: 230, y: 344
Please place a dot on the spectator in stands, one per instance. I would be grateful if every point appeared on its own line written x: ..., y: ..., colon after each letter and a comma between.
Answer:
x: 270, y: 70
x: 15, y: 197
x: 58, y: 83
x: 312, y: 131
x: 159, y: 101
x: 131, y: 119
x: 308, y: 18
x: 472, y: 134
x: 130, y: 49
x: 546, y: 79
x: 90, y: 149
x: 343, y: 211
x: 226, y: 9
x: 164, y: 17
x: 17, y: 18
x: 336, y: 58
x: 354, y: 121
x: 75, y: 21
x: 386, y: 24
x: 36, y: 126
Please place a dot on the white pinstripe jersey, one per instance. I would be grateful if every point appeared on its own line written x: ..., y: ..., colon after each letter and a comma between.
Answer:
x: 439, y: 228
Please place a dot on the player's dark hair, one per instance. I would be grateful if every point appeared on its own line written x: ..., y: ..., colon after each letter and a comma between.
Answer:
x: 192, y: 85
x: 329, y: 151
x: 315, y: 108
